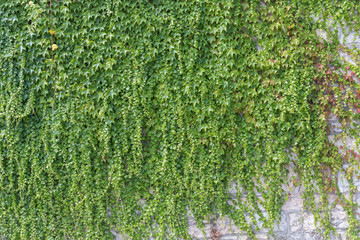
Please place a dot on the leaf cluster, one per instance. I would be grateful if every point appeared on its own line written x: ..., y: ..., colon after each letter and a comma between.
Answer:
x: 158, y: 109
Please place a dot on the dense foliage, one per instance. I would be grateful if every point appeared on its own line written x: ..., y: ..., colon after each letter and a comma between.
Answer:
x: 127, y: 115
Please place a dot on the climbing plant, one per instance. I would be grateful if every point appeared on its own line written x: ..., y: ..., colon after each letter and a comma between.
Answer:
x: 130, y: 115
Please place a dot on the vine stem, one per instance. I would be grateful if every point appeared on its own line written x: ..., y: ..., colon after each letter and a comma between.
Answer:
x: 52, y: 58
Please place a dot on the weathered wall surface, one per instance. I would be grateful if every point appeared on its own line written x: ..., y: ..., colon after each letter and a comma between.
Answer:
x: 295, y: 224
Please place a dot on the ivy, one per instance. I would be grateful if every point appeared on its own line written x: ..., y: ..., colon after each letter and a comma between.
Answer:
x: 128, y: 116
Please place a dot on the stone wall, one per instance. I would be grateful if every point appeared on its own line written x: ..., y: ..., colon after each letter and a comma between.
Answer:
x: 295, y: 223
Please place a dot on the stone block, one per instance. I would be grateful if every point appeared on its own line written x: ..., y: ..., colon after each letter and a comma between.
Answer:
x: 309, y: 222
x: 350, y: 142
x: 335, y: 127
x: 296, y: 236
x: 295, y: 221
x: 332, y: 117
x: 356, y: 180
x: 195, y: 231
x: 342, y: 182
x: 293, y: 204
x: 225, y: 226
x: 322, y: 34
x: 341, y: 235
x: 339, y: 219
x: 352, y: 40
x: 233, y: 189
x: 261, y: 236
x: 312, y: 236
x: 347, y: 57
x: 229, y: 237
x: 243, y: 237
x: 290, y: 187
x: 282, y: 225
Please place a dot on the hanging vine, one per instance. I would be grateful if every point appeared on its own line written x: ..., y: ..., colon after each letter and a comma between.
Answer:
x: 161, y: 106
